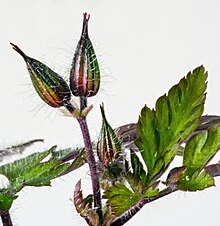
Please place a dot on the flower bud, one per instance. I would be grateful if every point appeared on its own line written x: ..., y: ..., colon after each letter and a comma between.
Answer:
x: 109, y: 145
x: 85, y: 73
x: 51, y: 88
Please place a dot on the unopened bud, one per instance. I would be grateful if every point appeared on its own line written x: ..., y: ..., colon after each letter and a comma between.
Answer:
x: 109, y: 145
x: 49, y: 85
x: 85, y: 73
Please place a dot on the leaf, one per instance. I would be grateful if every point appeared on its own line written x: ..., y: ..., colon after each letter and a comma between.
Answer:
x: 60, y: 154
x: 198, y: 152
x: 6, y: 201
x: 17, y: 149
x: 108, y: 216
x: 13, y: 170
x: 84, y: 206
x: 151, y: 191
x: 195, y: 182
x: 148, y: 139
x: 32, y: 171
x: 174, y: 176
x: 201, y: 148
x: 176, y: 115
x: 120, y: 198
x: 138, y: 177
x: 79, y: 161
x: 44, y: 173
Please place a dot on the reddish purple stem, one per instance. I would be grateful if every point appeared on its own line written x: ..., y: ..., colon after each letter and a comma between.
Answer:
x: 92, y: 166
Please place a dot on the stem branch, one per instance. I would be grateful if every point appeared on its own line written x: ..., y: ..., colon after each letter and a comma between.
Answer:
x: 6, y: 218
x: 126, y: 216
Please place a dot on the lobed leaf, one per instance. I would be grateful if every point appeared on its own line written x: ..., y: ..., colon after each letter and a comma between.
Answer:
x: 138, y: 177
x: 33, y: 170
x: 120, y: 198
x: 198, y: 152
x: 84, y: 206
x: 176, y: 115
x: 147, y: 141
x: 15, y: 170
x: 195, y: 182
x: 201, y: 148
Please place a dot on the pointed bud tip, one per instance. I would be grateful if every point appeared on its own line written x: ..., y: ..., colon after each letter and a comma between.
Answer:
x: 102, y: 110
x: 86, y: 16
x: 18, y: 50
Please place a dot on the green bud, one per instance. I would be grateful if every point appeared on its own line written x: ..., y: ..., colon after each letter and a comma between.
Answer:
x: 85, y: 73
x: 109, y: 145
x: 51, y: 88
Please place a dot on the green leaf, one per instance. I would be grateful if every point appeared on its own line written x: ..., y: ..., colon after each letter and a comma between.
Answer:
x: 6, y: 201
x: 32, y: 170
x: 44, y: 173
x: 60, y: 154
x: 201, y: 148
x: 198, y: 152
x: 120, y: 198
x: 148, y: 139
x: 176, y: 115
x: 13, y: 170
x: 151, y: 191
x: 138, y: 177
x: 195, y: 182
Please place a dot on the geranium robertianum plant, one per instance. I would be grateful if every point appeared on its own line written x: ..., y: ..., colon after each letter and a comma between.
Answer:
x: 126, y: 175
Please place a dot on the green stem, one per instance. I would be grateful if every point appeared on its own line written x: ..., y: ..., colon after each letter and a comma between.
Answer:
x: 6, y: 218
x: 92, y: 166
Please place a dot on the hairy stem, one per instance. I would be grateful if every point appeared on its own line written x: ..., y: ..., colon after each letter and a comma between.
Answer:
x: 83, y: 102
x: 92, y: 166
x: 6, y: 218
x: 125, y: 217
x: 213, y: 170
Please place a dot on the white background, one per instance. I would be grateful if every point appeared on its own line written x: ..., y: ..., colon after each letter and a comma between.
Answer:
x: 144, y: 47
